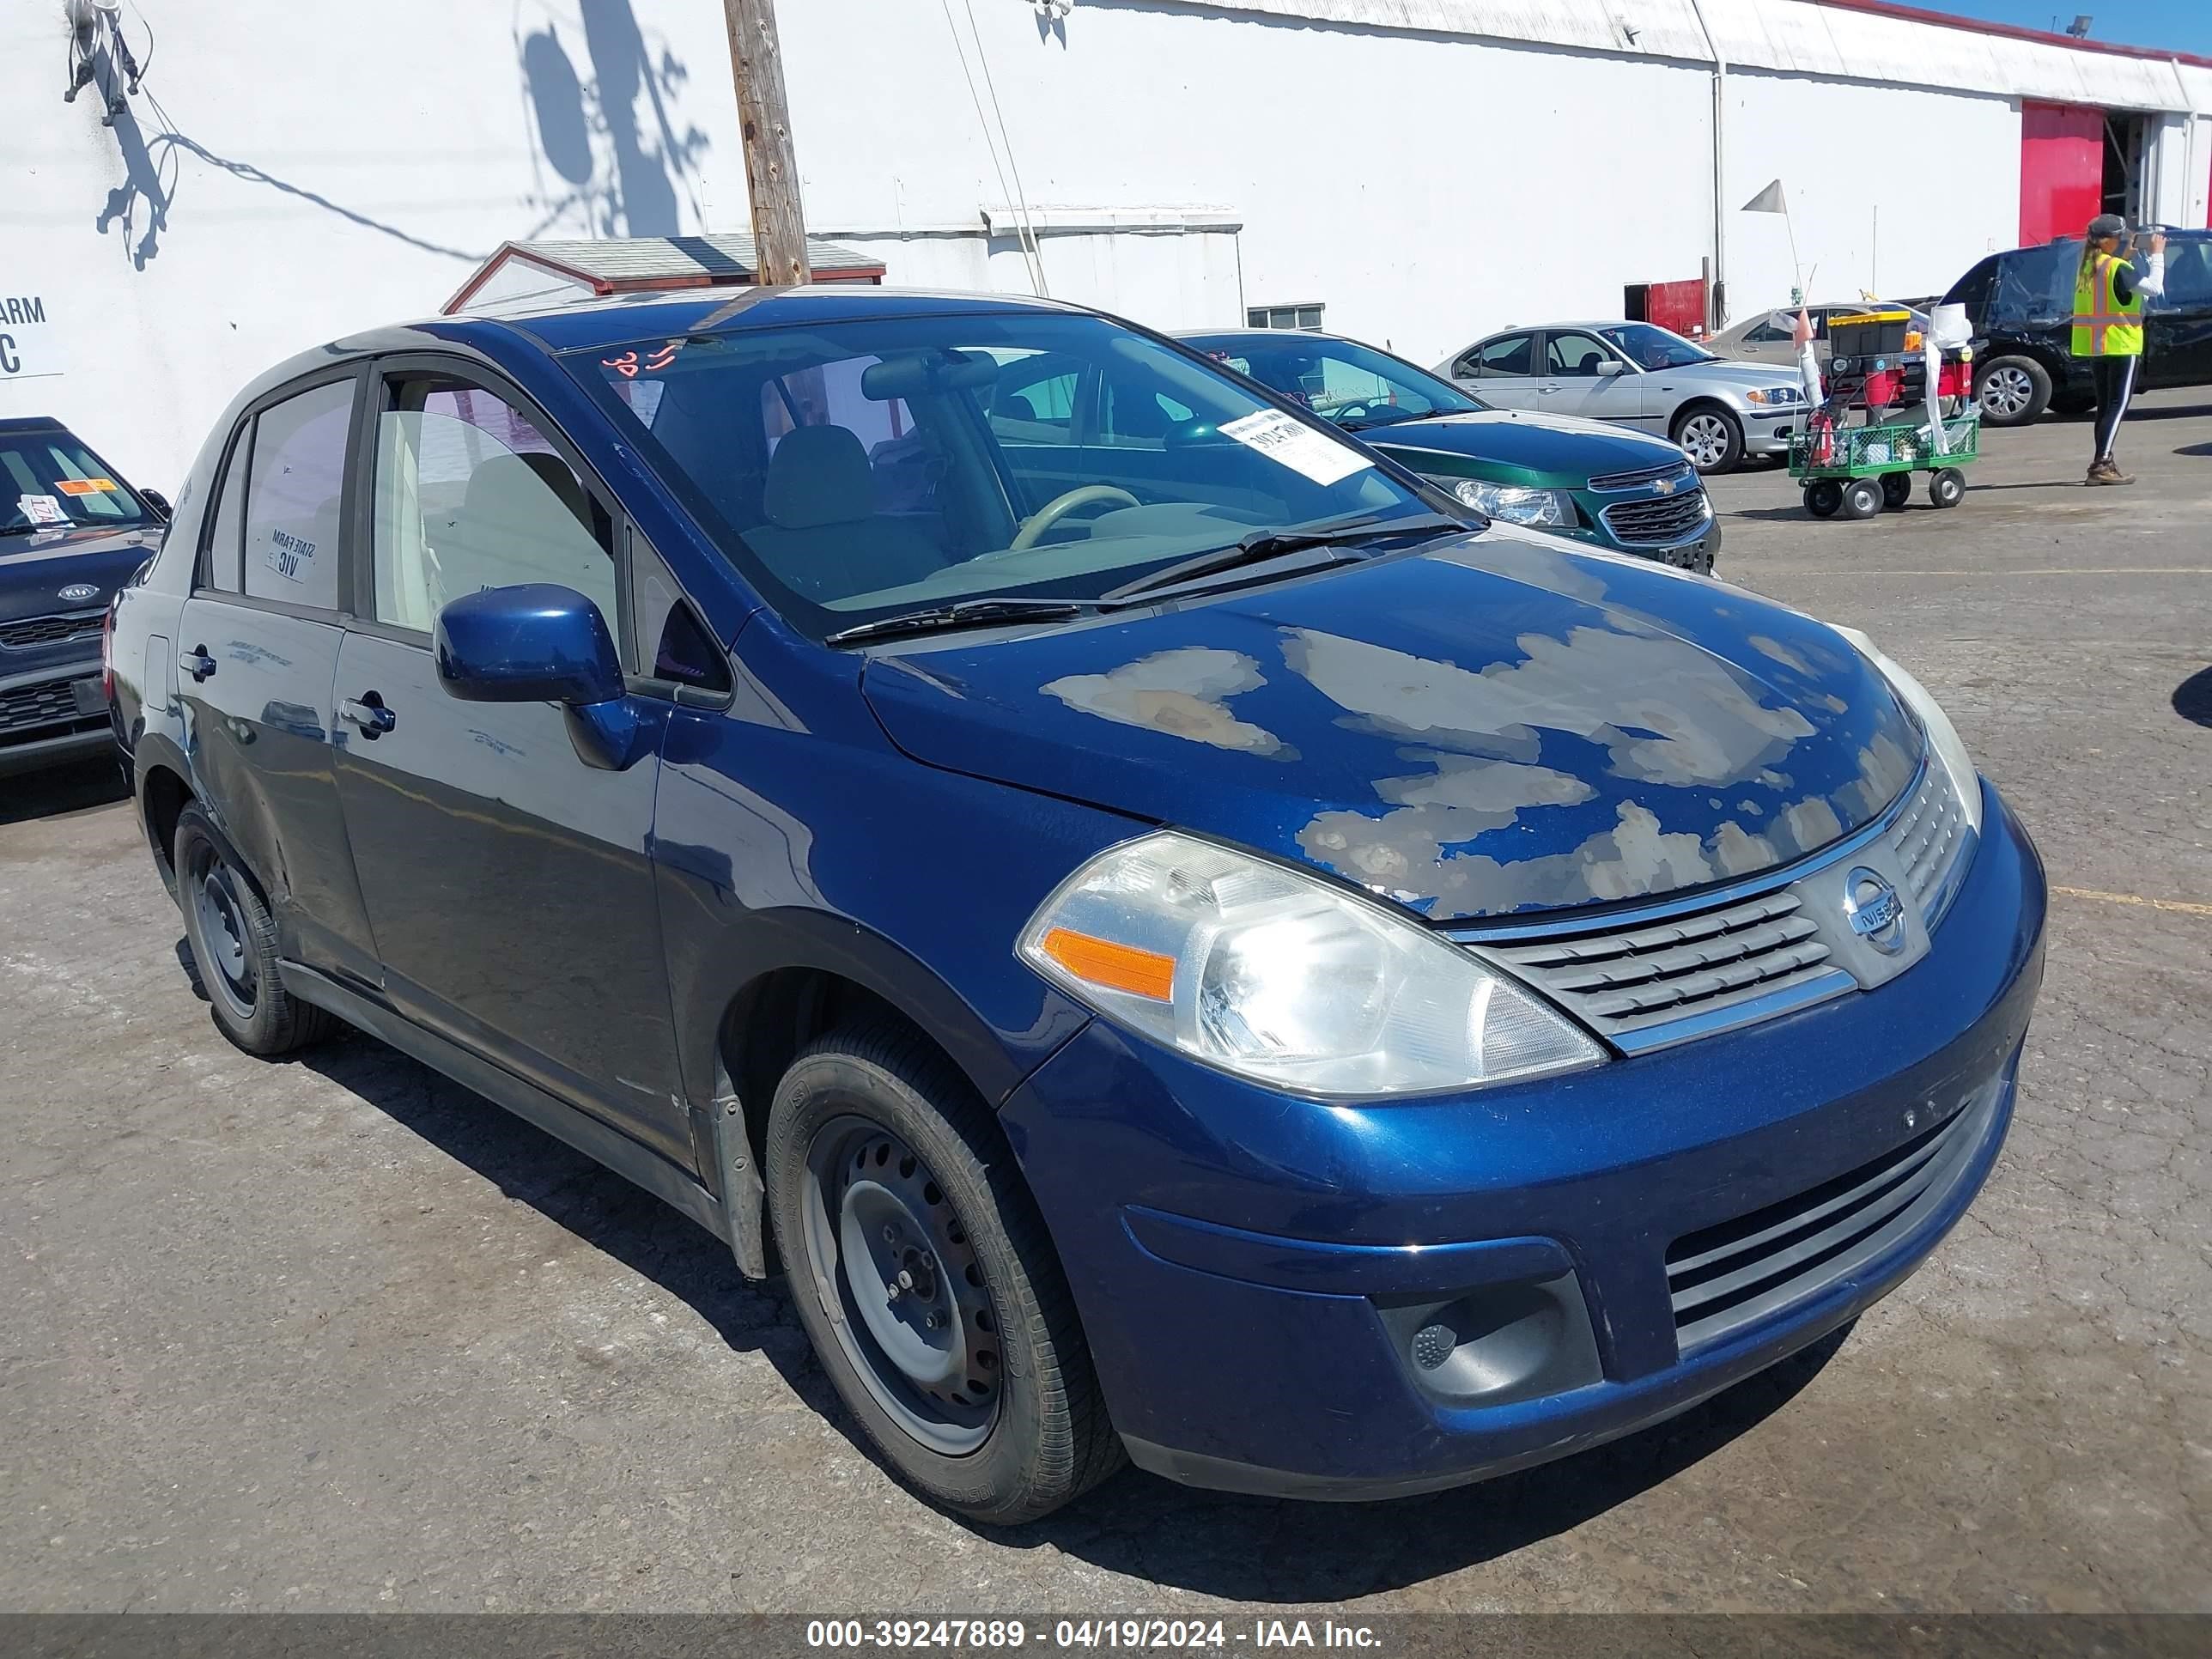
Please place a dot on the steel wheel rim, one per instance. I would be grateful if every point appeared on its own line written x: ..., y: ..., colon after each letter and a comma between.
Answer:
x: 2007, y: 390
x: 887, y: 1258
x: 228, y: 971
x: 1706, y: 438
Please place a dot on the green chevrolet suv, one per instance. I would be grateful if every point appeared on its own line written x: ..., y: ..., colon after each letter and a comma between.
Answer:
x: 1598, y: 482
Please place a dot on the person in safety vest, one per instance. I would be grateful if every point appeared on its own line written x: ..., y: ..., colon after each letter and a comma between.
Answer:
x: 2108, y: 328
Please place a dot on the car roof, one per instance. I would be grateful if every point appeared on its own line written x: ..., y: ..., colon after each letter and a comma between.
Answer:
x: 32, y: 423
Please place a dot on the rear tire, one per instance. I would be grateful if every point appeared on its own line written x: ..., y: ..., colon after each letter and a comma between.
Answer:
x: 1710, y: 435
x: 1861, y: 499
x: 877, y: 1145
x: 1822, y: 497
x: 233, y: 945
x: 1896, y: 489
x: 1948, y: 488
x: 2012, y: 390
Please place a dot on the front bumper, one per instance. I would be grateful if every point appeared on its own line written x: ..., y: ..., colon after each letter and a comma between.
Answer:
x: 51, y: 715
x: 1768, y: 432
x: 1254, y: 1271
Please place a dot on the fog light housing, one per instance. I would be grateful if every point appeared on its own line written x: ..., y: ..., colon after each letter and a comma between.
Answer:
x: 1497, y: 1343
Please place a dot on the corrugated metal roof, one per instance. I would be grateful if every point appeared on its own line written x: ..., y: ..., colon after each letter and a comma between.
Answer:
x: 731, y: 256
x: 1794, y: 37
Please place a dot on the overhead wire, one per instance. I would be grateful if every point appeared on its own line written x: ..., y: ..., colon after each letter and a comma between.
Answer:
x: 1030, y: 260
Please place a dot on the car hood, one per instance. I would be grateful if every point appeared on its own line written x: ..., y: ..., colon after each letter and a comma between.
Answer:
x: 1563, y: 446
x: 34, y: 570
x: 1735, y: 372
x: 1492, y: 725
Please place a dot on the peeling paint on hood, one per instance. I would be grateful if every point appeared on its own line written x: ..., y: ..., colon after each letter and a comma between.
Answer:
x: 1496, y: 725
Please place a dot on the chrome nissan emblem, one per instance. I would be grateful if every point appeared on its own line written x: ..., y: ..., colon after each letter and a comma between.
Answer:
x: 1872, y: 907
x: 78, y: 592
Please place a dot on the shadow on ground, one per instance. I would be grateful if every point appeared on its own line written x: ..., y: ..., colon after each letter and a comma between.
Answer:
x: 79, y: 787
x: 1242, y: 1548
x: 2192, y: 698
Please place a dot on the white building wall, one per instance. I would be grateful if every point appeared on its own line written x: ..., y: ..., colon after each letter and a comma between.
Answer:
x: 1428, y: 169
x: 1896, y: 190
x: 293, y: 171
x: 1424, y: 189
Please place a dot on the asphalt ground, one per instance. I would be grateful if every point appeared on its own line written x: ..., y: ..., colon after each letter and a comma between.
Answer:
x: 338, y: 1334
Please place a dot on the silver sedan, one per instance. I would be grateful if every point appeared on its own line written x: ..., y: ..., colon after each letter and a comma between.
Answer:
x: 1640, y: 376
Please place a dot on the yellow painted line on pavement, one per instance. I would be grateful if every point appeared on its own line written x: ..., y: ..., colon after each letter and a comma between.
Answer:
x: 2181, y: 906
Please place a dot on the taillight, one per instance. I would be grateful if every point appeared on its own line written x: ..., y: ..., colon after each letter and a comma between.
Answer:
x: 107, y: 652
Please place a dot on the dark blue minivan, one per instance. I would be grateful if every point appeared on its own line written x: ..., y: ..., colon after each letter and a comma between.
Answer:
x: 1180, y: 945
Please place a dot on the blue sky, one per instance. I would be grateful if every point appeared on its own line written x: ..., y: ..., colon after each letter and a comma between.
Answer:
x: 2170, y: 25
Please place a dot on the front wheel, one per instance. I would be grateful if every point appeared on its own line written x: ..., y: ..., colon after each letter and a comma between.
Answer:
x: 1710, y: 436
x: 1861, y: 499
x: 922, y: 1274
x: 1822, y: 497
x: 2013, y: 391
x: 1948, y: 488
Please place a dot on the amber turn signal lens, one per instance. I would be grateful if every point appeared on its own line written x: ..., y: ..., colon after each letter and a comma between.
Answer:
x: 1116, y: 967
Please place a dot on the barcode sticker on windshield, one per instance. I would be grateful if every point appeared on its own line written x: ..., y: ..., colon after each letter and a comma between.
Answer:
x: 1283, y: 438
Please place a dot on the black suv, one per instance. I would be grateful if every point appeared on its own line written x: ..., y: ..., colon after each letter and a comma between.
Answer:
x: 71, y: 533
x: 2020, y: 303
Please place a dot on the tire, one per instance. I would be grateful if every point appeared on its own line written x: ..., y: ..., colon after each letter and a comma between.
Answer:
x: 2012, y: 390
x: 874, y: 1138
x: 1948, y: 488
x: 1710, y: 435
x: 1822, y: 497
x: 1861, y: 499
x: 233, y: 945
x: 1896, y: 489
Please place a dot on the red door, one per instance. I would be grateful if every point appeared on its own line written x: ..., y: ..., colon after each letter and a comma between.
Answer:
x: 2061, y: 170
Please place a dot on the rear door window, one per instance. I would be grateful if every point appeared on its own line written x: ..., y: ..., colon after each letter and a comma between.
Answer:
x: 297, y: 483
x: 220, y: 569
x: 1508, y: 357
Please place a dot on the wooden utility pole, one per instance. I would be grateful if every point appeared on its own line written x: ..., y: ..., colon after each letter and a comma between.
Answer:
x: 771, y: 168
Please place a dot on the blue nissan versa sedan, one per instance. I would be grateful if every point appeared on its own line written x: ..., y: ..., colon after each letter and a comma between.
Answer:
x: 1177, y: 949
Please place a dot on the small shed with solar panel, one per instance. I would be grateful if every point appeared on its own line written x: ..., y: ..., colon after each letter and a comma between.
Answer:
x: 541, y: 273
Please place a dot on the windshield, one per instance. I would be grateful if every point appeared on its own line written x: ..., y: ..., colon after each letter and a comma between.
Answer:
x: 857, y: 469
x: 48, y: 480
x: 1650, y: 346
x: 1354, y: 386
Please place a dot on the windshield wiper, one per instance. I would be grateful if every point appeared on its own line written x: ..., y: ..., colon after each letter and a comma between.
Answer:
x: 1264, y: 545
x: 966, y: 613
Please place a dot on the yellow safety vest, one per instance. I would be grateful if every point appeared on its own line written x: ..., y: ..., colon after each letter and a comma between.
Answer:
x: 2104, y: 326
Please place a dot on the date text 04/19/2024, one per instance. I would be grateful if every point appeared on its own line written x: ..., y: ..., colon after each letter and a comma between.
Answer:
x: 1167, y: 1634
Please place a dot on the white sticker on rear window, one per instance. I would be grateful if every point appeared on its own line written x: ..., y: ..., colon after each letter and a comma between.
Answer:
x: 290, y: 557
x: 1284, y: 438
x: 42, y: 509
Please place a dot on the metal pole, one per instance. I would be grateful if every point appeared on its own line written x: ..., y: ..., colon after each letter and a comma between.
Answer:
x: 764, y: 124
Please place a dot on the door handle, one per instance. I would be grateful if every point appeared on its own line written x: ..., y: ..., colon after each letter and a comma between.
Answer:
x: 368, y: 713
x: 1547, y: 388
x: 197, y: 663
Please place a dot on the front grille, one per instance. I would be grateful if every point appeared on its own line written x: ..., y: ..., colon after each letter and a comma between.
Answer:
x: 50, y: 630
x: 1926, y: 837
x: 1657, y: 518
x: 1724, y: 1277
x: 1680, y: 471
x: 28, y: 708
x: 1622, y: 982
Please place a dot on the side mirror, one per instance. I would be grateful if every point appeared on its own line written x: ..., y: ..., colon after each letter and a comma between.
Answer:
x: 1609, y: 367
x: 158, y: 502
x: 542, y: 643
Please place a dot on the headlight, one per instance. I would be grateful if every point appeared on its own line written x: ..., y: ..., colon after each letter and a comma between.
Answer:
x: 1517, y: 505
x: 1942, y: 737
x: 1771, y: 394
x: 1283, y: 978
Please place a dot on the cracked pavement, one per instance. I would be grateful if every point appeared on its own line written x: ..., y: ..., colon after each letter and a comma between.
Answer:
x: 338, y: 1334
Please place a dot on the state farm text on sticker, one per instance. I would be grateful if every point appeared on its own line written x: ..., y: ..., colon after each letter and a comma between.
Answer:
x: 288, y: 554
